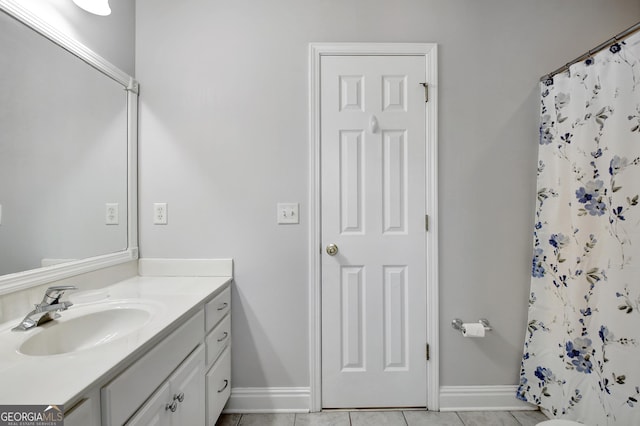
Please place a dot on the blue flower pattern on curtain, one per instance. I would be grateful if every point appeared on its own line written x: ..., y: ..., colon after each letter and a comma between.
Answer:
x: 581, y: 355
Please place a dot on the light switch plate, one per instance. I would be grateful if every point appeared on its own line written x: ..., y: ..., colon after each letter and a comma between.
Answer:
x: 288, y: 213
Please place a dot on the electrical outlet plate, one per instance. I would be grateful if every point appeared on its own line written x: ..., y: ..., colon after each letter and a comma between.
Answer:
x: 112, y: 216
x: 288, y: 213
x: 160, y: 213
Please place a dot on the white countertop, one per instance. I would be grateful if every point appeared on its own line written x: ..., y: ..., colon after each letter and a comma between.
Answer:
x: 58, y: 379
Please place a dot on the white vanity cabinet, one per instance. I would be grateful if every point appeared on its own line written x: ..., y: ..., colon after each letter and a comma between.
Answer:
x: 128, y: 392
x: 171, y: 366
x: 186, y: 391
x: 183, y: 380
x: 180, y: 400
x: 218, y: 359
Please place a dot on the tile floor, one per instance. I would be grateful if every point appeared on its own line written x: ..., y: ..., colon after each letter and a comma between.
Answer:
x: 387, y: 418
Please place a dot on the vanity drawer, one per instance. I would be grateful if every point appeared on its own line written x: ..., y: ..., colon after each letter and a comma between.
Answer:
x: 218, y: 386
x: 218, y: 339
x: 217, y: 308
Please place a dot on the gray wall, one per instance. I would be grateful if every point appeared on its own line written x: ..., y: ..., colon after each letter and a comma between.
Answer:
x: 223, y: 138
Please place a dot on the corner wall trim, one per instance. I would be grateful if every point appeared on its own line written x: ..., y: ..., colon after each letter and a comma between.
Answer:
x: 268, y: 400
x: 482, y: 398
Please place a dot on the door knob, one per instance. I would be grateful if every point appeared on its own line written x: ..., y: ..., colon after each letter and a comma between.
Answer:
x: 332, y: 249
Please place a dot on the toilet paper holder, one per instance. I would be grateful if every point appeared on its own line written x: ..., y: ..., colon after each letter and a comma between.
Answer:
x: 458, y: 324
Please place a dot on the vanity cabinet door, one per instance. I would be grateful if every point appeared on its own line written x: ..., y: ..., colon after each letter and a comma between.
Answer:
x: 180, y: 400
x: 187, y: 388
x: 155, y: 412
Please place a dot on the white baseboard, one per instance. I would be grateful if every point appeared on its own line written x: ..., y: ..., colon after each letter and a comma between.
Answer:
x: 268, y: 400
x: 452, y: 398
x: 481, y: 398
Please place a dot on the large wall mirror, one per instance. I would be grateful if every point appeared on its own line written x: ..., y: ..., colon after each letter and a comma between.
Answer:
x: 67, y: 155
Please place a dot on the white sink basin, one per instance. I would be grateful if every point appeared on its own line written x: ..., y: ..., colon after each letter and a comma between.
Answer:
x: 86, y: 328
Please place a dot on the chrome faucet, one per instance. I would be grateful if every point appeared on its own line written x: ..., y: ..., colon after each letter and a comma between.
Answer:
x: 46, y: 310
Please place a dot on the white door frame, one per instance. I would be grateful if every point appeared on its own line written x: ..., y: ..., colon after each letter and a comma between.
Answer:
x: 316, y: 51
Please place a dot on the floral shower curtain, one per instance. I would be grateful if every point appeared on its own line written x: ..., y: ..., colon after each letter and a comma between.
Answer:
x: 582, y: 355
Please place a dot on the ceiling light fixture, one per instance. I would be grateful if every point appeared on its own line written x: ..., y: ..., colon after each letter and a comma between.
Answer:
x: 97, y: 7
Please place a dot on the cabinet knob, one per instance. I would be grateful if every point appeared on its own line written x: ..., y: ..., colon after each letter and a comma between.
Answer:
x: 172, y: 407
x: 223, y: 306
x: 179, y: 397
x: 224, y: 336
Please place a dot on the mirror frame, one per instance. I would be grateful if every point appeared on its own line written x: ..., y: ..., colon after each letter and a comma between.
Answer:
x: 22, y: 280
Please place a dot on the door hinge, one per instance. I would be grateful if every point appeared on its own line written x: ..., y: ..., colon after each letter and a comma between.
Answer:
x: 427, y: 354
x: 426, y: 222
x: 426, y: 91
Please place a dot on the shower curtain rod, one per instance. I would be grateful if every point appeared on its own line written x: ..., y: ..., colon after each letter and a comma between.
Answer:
x: 612, y: 40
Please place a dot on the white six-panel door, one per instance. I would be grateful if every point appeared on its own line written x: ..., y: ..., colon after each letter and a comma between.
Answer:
x: 372, y: 144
